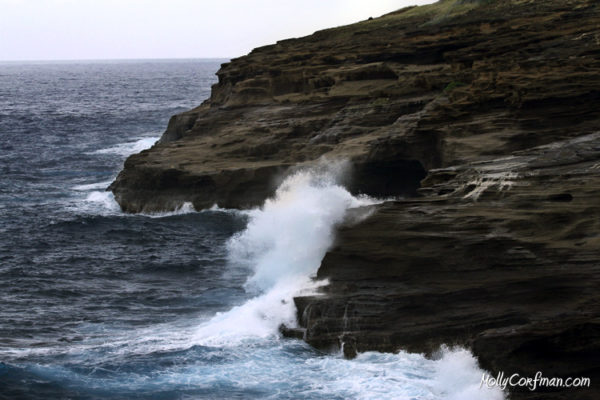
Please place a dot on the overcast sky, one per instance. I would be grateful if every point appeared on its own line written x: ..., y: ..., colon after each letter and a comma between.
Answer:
x: 108, y: 29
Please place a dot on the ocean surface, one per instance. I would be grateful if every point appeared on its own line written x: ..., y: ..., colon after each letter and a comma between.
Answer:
x: 97, y: 304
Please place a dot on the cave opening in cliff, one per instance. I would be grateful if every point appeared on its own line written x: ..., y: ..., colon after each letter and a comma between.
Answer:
x: 387, y: 178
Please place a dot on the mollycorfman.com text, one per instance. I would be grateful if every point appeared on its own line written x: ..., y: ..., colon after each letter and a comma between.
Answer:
x: 532, y: 383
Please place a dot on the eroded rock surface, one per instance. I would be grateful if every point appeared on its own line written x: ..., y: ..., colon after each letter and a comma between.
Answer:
x: 484, y: 116
x: 417, y: 89
x: 501, y: 256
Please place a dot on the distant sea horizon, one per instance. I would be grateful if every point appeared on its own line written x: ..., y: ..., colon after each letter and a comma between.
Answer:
x: 116, y: 60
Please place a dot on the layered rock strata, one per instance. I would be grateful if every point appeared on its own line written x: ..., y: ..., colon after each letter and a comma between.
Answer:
x: 482, y: 117
x: 417, y: 89
x: 501, y: 256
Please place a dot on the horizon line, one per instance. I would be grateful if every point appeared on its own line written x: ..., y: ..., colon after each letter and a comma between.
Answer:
x: 58, y: 60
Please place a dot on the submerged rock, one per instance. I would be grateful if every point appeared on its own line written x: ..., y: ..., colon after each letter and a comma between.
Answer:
x: 484, y: 116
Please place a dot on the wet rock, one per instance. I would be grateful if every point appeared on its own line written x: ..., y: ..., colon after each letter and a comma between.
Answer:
x: 293, y: 333
x: 484, y: 116
x: 480, y: 259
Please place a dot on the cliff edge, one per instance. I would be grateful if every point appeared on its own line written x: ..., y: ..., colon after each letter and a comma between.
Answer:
x: 483, y: 116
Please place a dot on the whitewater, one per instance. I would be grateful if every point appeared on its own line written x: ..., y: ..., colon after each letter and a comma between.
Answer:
x: 98, y: 304
x: 281, y: 249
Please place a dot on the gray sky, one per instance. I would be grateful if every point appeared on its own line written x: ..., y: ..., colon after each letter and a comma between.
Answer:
x: 106, y: 29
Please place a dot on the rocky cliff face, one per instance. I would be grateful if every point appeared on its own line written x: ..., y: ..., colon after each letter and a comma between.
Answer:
x: 483, y: 115
x: 501, y: 256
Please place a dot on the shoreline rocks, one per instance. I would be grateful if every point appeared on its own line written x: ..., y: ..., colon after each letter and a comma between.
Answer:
x: 499, y: 256
x: 484, y: 116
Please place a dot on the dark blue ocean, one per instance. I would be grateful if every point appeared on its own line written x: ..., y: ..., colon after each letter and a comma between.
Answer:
x: 97, y: 304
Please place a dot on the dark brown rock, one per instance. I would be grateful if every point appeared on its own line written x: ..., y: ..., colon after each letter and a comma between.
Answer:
x: 488, y: 257
x: 484, y: 115
x: 421, y: 88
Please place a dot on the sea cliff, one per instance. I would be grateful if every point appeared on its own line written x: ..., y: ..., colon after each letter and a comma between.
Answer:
x: 481, y: 119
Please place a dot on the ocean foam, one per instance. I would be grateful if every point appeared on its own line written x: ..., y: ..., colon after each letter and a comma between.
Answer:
x: 92, y: 186
x: 286, y: 370
x: 99, y: 202
x: 103, y: 202
x: 125, y: 149
x: 403, y: 376
x: 185, y: 208
x: 283, y: 246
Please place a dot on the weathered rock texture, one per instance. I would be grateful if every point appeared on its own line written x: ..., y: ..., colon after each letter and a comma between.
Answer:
x: 484, y: 115
x: 501, y: 256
